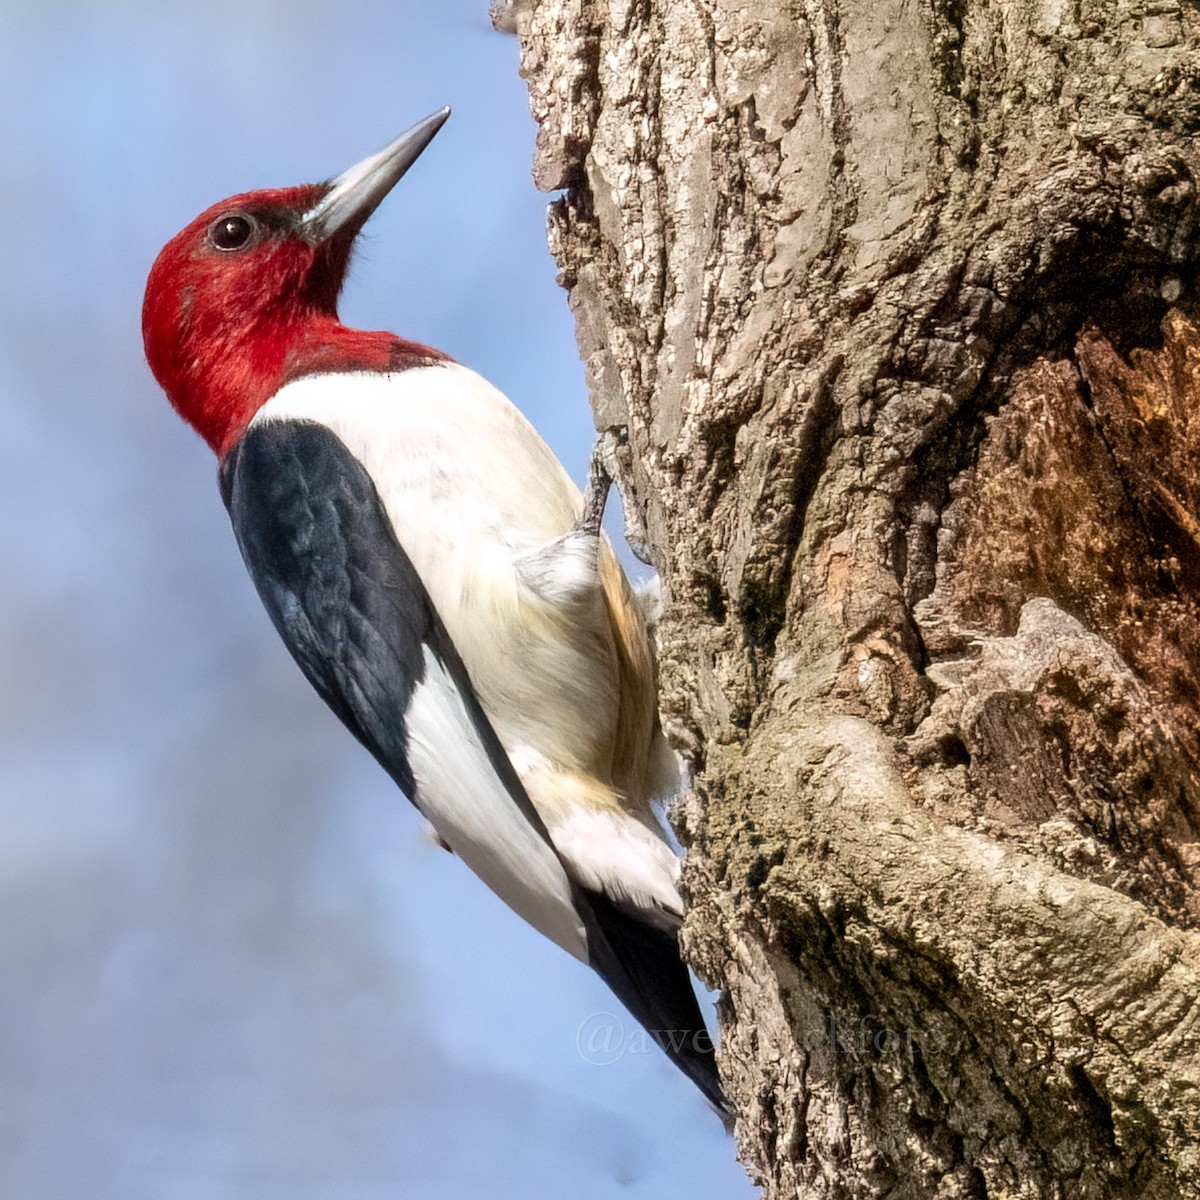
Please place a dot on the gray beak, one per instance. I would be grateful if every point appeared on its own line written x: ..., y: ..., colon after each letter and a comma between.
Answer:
x: 355, y: 194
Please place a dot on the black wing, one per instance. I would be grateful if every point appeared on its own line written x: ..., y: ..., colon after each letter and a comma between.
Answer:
x: 351, y: 608
x: 338, y: 587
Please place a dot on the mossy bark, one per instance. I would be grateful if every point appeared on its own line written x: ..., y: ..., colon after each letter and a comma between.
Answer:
x: 897, y: 304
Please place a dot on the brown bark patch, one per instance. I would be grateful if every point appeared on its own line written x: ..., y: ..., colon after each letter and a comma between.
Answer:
x: 1086, y: 490
x: 1148, y: 410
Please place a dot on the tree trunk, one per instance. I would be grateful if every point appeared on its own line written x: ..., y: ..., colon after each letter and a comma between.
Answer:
x: 896, y: 302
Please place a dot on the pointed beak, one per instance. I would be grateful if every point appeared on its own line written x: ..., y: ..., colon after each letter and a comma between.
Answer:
x: 355, y: 194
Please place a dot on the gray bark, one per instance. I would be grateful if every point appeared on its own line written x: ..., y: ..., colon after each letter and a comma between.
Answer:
x: 896, y: 303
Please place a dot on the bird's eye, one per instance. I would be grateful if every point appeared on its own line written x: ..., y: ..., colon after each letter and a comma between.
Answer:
x: 233, y: 232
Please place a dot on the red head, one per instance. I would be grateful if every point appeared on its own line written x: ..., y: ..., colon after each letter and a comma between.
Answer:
x: 245, y: 298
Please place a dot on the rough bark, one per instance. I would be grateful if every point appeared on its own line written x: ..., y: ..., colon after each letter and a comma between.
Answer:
x: 896, y: 301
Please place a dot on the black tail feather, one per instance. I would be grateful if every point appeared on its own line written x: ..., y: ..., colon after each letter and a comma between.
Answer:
x: 642, y: 965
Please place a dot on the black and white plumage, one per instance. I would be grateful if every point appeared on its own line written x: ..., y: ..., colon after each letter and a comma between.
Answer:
x: 421, y: 552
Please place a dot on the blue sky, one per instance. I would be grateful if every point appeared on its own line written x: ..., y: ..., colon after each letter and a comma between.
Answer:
x: 231, y: 965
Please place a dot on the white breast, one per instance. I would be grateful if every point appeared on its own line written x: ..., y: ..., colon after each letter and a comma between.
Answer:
x: 470, y: 488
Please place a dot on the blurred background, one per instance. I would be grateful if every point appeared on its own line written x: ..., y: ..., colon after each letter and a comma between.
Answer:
x: 231, y: 965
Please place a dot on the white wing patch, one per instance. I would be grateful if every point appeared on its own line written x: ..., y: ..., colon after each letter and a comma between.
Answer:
x: 460, y: 794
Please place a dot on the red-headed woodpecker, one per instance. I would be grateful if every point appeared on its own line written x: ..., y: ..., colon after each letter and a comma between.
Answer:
x: 438, y: 578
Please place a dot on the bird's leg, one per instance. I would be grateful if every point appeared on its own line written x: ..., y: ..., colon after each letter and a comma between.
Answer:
x: 603, y: 472
x: 566, y: 570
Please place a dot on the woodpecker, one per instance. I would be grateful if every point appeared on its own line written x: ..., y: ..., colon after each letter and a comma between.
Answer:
x: 438, y: 578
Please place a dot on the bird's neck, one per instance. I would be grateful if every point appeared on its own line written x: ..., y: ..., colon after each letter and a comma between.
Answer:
x: 220, y: 392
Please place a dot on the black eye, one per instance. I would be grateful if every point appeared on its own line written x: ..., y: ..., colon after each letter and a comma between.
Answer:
x: 232, y: 232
